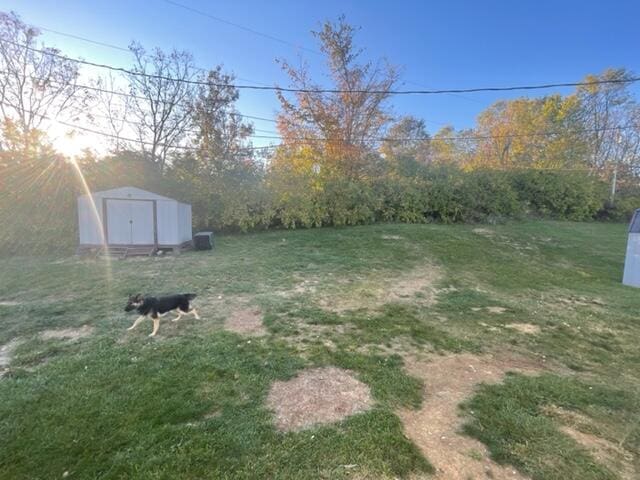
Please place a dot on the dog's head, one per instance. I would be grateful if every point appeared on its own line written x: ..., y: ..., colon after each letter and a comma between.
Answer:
x: 134, y: 302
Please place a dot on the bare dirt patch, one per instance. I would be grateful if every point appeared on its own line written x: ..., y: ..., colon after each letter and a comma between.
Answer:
x: 496, y: 310
x: 308, y: 334
x: 526, y: 328
x: 392, y: 237
x: 246, y: 321
x: 581, y: 301
x: 317, y: 396
x: 9, y: 303
x: 485, y: 232
x: 6, y: 351
x: 71, y: 334
x: 416, y: 285
x: 605, y: 452
x: 449, y: 380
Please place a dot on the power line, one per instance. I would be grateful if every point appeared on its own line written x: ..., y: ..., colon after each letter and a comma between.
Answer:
x: 241, y: 27
x: 123, y: 49
x: 139, y: 97
x: 116, y: 47
x: 329, y: 90
x: 468, y: 137
x: 372, y: 139
x: 125, y: 139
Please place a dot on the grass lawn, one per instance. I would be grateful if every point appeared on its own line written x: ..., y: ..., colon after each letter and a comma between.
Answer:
x: 382, y: 302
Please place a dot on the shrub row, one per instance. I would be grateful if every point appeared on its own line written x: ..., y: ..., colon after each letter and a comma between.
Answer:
x: 277, y: 200
x: 436, y: 195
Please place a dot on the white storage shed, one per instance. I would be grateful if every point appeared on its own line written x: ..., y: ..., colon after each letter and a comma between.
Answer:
x: 129, y: 217
x: 631, y: 274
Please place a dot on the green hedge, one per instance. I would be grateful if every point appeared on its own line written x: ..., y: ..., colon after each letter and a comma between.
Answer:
x: 286, y: 200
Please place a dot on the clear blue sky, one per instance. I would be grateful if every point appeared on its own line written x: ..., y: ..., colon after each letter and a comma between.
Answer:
x: 445, y: 44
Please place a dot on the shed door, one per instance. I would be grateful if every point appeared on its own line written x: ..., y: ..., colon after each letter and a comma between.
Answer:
x: 142, y: 223
x: 130, y: 222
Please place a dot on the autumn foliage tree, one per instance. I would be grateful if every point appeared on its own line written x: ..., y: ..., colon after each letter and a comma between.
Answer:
x: 407, y: 138
x: 530, y: 133
x: 343, y: 124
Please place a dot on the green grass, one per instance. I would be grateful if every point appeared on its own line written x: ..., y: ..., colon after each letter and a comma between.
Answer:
x: 191, y: 403
x: 508, y: 419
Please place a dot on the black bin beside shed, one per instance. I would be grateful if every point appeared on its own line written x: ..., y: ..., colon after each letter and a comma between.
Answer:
x: 203, y: 241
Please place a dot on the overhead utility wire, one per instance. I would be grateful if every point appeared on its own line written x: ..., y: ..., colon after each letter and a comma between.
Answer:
x: 123, y: 49
x: 330, y: 90
x: 311, y: 139
x: 241, y: 27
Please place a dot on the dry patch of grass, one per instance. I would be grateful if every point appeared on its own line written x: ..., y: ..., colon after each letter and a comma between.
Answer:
x: 416, y: 286
x: 581, y: 301
x: 246, y: 321
x: 434, y: 428
x: 606, y: 452
x: 317, y: 396
x: 485, y: 232
x: 71, y: 334
x: 526, y: 328
x: 6, y: 351
x: 307, y: 334
x: 496, y: 310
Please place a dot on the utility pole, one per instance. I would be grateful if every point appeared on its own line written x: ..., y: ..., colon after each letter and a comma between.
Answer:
x: 614, y: 178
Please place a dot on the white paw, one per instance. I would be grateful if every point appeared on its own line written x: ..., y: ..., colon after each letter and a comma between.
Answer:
x: 152, y: 334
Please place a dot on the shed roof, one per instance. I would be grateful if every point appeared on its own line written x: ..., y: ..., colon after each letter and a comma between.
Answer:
x: 130, y: 192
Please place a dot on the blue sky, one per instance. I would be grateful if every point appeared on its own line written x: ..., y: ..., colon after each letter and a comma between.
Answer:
x: 445, y: 44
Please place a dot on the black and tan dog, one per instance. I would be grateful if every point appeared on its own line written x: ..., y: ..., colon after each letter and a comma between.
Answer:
x: 156, y: 307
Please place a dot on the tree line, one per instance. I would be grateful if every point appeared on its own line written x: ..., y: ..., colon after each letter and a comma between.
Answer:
x: 175, y: 128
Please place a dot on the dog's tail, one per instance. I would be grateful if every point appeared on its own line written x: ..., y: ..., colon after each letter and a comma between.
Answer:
x: 190, y: 296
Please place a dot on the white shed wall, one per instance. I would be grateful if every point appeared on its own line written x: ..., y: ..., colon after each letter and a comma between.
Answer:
x: 89, y: 227
x: 631, y: 274
x: 185, y: 230
x: 168, y: 223
x: 173, y: 218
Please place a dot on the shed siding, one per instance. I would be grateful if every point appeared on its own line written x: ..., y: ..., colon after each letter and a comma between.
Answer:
x: 130, y: 222
x: 89, y: 228
x: 167, y: 222
x: 184, y: 222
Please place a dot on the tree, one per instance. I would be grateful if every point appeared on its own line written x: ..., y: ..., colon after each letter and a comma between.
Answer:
x: 603, y: 110
x: 162, y: 100
x: 530, y: 133
x: 407, y: 138
x: 221, y: 172
x: 221, y: 135
x: 112, y: 106
x: 341, y: 126
x: 35, y: 86
x: 451, y: 147
x: 610, y: 117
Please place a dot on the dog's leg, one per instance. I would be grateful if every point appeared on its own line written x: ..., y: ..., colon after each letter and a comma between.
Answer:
x: 195, y: 313
x: 156, y: 325
x: 178, y: 317
x: 135, y: 324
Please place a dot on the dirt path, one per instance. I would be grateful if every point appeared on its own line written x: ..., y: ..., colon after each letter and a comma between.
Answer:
x: 449, y: 380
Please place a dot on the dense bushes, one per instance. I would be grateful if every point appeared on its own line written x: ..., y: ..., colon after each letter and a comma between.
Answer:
x: 435, y: 195
x: 287, y: 199
x: 562, y: 195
